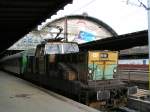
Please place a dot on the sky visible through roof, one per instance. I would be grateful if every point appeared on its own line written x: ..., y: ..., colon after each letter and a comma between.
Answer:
x: 124, y: 16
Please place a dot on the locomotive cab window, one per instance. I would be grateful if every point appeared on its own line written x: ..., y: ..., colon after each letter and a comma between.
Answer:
x: 61, y: 48
x: 104, y: 55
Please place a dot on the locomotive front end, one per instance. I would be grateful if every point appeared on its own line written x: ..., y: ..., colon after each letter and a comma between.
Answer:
x: 102, y: 66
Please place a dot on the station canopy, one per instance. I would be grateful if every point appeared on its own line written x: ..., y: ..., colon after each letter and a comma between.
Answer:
x: 18, y: 17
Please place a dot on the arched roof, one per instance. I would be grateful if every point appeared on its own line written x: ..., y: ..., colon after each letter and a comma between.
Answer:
x: 89, y: 18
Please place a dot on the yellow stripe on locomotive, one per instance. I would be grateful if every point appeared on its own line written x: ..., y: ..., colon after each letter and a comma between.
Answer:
x: 102, y: 64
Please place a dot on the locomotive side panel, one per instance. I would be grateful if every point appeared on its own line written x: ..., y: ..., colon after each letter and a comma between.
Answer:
x: 75, y: 62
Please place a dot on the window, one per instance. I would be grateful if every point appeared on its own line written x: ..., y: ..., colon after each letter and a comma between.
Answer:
x: 104, y: 55
x: 61, y: 48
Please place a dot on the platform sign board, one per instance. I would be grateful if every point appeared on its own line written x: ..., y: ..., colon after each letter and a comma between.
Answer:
x: 86, y: 36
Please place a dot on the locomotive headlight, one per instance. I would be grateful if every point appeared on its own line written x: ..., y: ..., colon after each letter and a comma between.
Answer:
x: 90, y: 71
x: 90, y: 74
x: 115, y: 70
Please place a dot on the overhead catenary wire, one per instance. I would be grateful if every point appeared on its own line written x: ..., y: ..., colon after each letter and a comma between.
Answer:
x: 85, y: 5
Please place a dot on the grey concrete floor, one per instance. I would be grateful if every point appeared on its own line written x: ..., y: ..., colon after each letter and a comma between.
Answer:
x: 17, y: 95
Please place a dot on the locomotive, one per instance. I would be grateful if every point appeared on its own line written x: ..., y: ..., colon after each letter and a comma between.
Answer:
x: 87, y: 76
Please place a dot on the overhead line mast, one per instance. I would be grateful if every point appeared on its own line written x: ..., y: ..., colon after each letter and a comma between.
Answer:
x: 147, y: 8
x: 148, y: 13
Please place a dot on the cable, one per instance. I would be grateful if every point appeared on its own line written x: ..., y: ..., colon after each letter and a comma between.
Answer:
x: 85, y: 5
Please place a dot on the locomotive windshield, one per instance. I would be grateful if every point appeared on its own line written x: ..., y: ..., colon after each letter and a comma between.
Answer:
x: 61, y: 48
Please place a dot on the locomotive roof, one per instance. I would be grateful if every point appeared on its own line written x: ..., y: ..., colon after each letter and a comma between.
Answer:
x: 57, y: 42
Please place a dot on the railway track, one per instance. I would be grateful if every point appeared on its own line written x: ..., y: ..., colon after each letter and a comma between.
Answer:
x: 134, y: 77
x: 140, y: 101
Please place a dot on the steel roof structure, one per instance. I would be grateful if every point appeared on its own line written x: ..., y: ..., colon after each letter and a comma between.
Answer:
x: 118, y: 42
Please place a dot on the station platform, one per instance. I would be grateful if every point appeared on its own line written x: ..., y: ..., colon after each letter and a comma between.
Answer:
x: 17, y: 95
